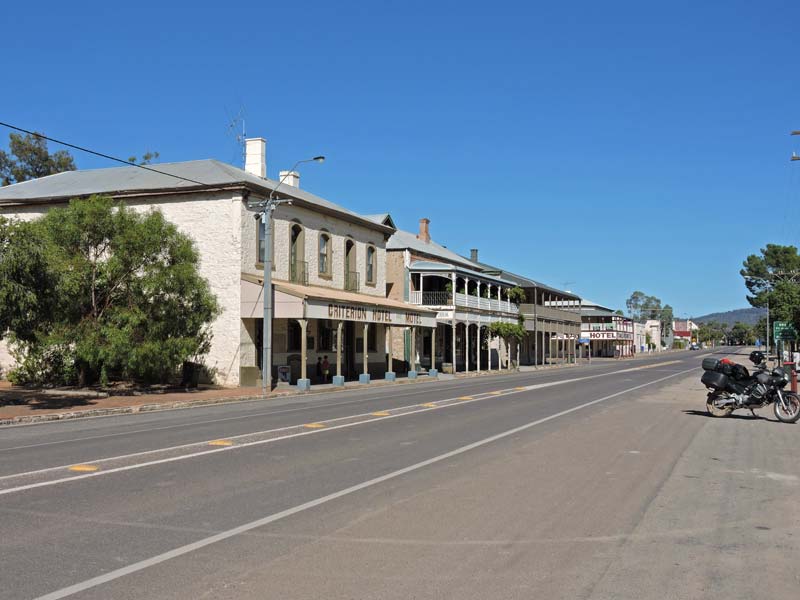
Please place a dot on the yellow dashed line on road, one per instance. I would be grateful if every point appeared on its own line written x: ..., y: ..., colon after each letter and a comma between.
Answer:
x: 84, y: 468
x: 521, y: 389
x: 380, y: 413
x: 220, y: 443
x: 429, y: 405
x: 465, y: 398
x: 314, y: 425
x: 495, y: 393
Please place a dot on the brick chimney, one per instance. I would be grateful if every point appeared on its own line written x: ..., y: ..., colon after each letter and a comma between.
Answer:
x: 255, y: 157
x: 473, y: 255
x: 424, y: 233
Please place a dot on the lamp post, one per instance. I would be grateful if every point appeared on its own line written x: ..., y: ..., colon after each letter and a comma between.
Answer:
x: 266, y: 208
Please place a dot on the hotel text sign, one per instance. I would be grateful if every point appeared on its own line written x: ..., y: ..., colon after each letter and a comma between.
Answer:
x: 609, y: 335
x: 319, y: 309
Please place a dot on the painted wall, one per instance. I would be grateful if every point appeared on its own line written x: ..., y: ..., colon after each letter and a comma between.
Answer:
x: 314, y: 223
x: 213, y: 221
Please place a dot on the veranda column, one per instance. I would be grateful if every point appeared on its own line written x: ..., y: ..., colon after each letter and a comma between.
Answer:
x: 338, y: 379
x: 303, y: 383
x: 364, y: 377
x: 478, y: 353
x: 466, y: 347
x: 433, y: 372
x: 412, y: 359
x: 453, y: 344
x: 390, y: 376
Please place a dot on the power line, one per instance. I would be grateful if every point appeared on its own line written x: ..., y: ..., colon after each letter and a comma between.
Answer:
x: 119, y: 160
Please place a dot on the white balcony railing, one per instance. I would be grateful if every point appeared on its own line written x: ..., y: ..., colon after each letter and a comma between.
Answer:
x: 492, y: 304
x: 464, y: 300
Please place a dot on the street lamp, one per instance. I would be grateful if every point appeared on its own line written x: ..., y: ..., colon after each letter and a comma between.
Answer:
x: 266, y: 208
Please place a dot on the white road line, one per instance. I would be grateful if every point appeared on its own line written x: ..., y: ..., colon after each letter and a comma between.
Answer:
x: 442, y: 386
x: 309, y: 404
x: 207, y: 451
x: 199, y: 544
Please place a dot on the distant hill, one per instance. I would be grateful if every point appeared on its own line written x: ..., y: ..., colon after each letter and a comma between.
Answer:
x: 745, y: 315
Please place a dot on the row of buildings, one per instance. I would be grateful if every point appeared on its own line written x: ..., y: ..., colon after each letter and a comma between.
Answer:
x: 349, y: 290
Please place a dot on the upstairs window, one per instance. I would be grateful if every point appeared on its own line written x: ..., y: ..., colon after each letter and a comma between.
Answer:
x: 325, y: 254
x: 370, y: 264
x: 261, y: 247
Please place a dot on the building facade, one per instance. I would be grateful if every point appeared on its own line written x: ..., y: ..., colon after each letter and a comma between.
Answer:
x: 609, y: 333
x: 551, y: 318
x: 329, y: 267
x: 465, y: 298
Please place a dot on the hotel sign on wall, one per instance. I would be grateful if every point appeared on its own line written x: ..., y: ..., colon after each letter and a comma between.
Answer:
x: 608, y: 335
x: 361, y: 313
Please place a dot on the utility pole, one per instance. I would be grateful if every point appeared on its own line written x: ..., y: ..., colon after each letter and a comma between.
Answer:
x: 266, y: 208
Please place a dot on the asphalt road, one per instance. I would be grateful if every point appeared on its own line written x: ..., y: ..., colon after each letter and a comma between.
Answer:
x: 569, y: 483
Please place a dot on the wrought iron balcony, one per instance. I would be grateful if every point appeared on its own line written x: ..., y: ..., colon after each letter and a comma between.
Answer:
x: 298, y: 272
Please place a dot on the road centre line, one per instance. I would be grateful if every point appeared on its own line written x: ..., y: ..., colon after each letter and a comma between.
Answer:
x: 455, y: 385
x: 304, y: 429
x: 225, y: 535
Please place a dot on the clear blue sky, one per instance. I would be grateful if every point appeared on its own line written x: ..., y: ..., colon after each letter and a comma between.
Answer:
x: 614, y: 145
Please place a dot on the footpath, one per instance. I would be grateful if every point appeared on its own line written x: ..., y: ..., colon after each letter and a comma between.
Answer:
x: 19, y: 405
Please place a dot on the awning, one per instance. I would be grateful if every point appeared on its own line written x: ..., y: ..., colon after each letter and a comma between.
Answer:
x: 294, y: 301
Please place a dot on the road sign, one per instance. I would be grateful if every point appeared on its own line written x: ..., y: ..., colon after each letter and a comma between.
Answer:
x: 784, y: 331
x: 583, y: 340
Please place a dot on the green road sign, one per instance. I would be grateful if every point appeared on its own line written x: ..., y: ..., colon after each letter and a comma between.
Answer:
x: 781, y: 330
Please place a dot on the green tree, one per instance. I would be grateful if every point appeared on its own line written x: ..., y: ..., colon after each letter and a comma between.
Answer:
x: 666, y: 317
x: 772, y: 278
x: 146, y: 159
x: 28, y: 158
x: 516, y: 295
x: 712, y: 332
x: 27, y: 280
x: 130, y: 300
x: 509, y: 332
x: 742, y: 334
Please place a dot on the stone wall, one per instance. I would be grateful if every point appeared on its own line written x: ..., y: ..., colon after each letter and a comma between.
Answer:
x: 313, y: 223
x: 212, y: 220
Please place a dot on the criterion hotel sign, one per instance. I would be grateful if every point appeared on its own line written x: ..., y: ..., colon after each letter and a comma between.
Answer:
x: 336, y: 311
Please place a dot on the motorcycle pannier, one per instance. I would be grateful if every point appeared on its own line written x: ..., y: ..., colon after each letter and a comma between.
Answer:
x: 714, y: 380
x: 710, y: 364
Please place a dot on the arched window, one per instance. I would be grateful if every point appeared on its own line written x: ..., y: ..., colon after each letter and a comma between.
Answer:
x: 324, y: 258
x: 261, y: 243
x: 371, y: 265
x: 298, y: 273
x: 350, y: 272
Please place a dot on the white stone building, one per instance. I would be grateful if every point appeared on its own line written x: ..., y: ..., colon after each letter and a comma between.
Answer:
x: 329, y: 271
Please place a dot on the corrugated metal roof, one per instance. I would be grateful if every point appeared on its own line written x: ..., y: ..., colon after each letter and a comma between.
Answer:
x: 401, y: 240
x: 131, y: 180
x: 526, y: 281
x: 594, y: 312
x: 382, y: 218
x: 420, y: 265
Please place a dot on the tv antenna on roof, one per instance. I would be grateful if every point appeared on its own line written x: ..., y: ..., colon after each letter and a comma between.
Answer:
x: 237, y: 128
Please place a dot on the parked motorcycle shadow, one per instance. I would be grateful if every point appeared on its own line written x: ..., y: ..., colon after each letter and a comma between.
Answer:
x: 745, y: 417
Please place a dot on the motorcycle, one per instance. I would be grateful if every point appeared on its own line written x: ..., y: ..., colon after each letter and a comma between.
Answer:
x: 732, y: 387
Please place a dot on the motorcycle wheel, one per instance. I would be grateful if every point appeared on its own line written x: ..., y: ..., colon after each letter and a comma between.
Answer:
x: 793, y: 414
x: 716, y: 411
